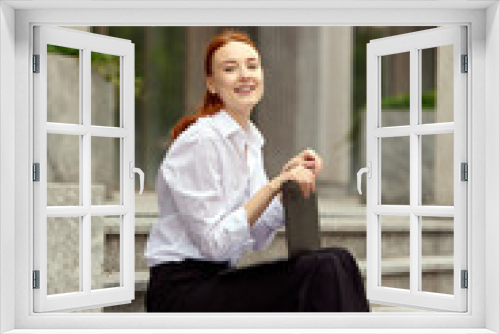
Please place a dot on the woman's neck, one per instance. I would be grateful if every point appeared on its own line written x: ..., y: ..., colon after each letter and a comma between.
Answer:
x: 242, y: 117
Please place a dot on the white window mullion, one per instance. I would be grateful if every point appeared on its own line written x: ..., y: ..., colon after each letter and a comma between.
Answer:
x: 433, y: 211
x: 372, y: 184
x: 392, y: 131
x: 77, y: 129
x: 415, y: 169
x: 40, y: 188
x: 86, y: 167
x: 127, y: 155
x: 85, y: 161
x: 419, y: 210
x: 422, y: 129
x: 106, y: 131
x: 433, y: 128
x: 460, y: 155
x: 80, y: 211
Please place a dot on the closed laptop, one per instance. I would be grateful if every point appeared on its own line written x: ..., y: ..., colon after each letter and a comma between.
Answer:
x: 301, y: 219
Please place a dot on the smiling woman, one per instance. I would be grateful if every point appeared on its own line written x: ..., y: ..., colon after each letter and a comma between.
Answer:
x: 238, y: 79
x: 231, y: 63
x: 216, y: 202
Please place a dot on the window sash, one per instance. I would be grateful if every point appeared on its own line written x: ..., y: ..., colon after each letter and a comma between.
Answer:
x: 413, y: 43
x: 85, y: 298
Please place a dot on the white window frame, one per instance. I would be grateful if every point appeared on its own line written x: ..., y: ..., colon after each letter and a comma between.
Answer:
x: 413, y: 44
x: 483, y: 21
x: 86, y: 43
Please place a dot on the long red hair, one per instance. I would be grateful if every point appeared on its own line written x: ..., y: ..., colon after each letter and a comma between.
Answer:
x: 212, y: 104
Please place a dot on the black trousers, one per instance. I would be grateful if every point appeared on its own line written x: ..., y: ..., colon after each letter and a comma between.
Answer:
x: 325, y: 280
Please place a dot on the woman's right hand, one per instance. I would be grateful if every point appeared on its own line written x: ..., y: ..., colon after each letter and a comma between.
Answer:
x: 301, y: 175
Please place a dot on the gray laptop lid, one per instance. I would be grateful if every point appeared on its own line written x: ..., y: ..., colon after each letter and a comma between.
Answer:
x: 301, y: 219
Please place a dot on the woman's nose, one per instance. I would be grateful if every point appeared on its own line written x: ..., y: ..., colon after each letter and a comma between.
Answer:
x: 245, y: 72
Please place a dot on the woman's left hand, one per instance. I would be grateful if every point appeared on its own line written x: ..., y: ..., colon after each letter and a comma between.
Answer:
x: 307, y: 158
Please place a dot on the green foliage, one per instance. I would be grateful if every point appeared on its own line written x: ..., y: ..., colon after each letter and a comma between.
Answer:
x: 429, y: 99
x: 403, y: 101
x: 107, y: 65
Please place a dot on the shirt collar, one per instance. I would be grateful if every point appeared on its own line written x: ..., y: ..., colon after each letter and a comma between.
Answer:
x: 228, y: 126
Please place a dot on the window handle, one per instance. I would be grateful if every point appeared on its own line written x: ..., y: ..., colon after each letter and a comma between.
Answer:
x: 133, y: 170
x: 367, y: 170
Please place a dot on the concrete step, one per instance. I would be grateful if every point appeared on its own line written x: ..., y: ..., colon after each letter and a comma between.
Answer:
x: 349, y: 233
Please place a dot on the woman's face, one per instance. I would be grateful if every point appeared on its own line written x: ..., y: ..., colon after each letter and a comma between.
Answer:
x: 237, y: 76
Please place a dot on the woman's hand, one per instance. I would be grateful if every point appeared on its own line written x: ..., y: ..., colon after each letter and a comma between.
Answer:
x: 260, y: 201
x: 303, y: 176
x: 308, y: 159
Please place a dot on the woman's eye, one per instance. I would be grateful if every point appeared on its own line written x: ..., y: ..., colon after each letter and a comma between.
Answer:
x: 230, y: 69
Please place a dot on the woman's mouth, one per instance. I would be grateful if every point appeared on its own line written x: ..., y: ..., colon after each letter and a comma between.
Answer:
x: 244, y: 90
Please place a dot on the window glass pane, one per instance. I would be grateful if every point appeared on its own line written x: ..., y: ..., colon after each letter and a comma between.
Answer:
x: 437, y: 254
x: 63, y: 84
x: 395, y: 251
x: 395, y: 84
x: 105, y: 89
x: 395, y: 171
x: 437, y: 169
x: 63, y: 170
x: 63, y: 255
x: 437, y: 84
x: 106, y: 255
x: 105, y: 170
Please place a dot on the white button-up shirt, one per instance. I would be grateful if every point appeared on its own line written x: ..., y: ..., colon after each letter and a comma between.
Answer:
x: 203, y: 183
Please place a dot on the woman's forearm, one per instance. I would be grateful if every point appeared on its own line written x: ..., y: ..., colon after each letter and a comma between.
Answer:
x: 260, y: 201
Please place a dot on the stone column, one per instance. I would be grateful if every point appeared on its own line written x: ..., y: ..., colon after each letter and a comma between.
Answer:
x: 309, y: 66
x: 335, y: 103
x: 444, y: 113
x: 277, y: 114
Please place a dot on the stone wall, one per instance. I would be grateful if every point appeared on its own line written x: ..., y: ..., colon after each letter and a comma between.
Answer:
x: 63, y: 154
x: 64, y: 242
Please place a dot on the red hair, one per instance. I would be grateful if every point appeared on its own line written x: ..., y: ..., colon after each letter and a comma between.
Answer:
x: 212, y: 103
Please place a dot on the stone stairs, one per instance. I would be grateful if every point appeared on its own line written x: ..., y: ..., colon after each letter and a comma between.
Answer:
x: 343, y: 223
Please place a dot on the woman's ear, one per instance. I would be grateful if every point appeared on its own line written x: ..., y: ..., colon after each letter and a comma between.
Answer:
x: 210, y: 85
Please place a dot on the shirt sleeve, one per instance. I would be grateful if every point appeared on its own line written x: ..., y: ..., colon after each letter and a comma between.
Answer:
x: 192, y: 171
x: 264, y: 229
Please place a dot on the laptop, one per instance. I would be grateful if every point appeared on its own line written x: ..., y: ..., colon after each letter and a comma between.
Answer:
x: 301, y: 219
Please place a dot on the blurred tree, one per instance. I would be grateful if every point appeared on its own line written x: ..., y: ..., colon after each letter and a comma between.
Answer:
x: 362, y: 36
x: 159, y: 90
x: 163, y: 96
